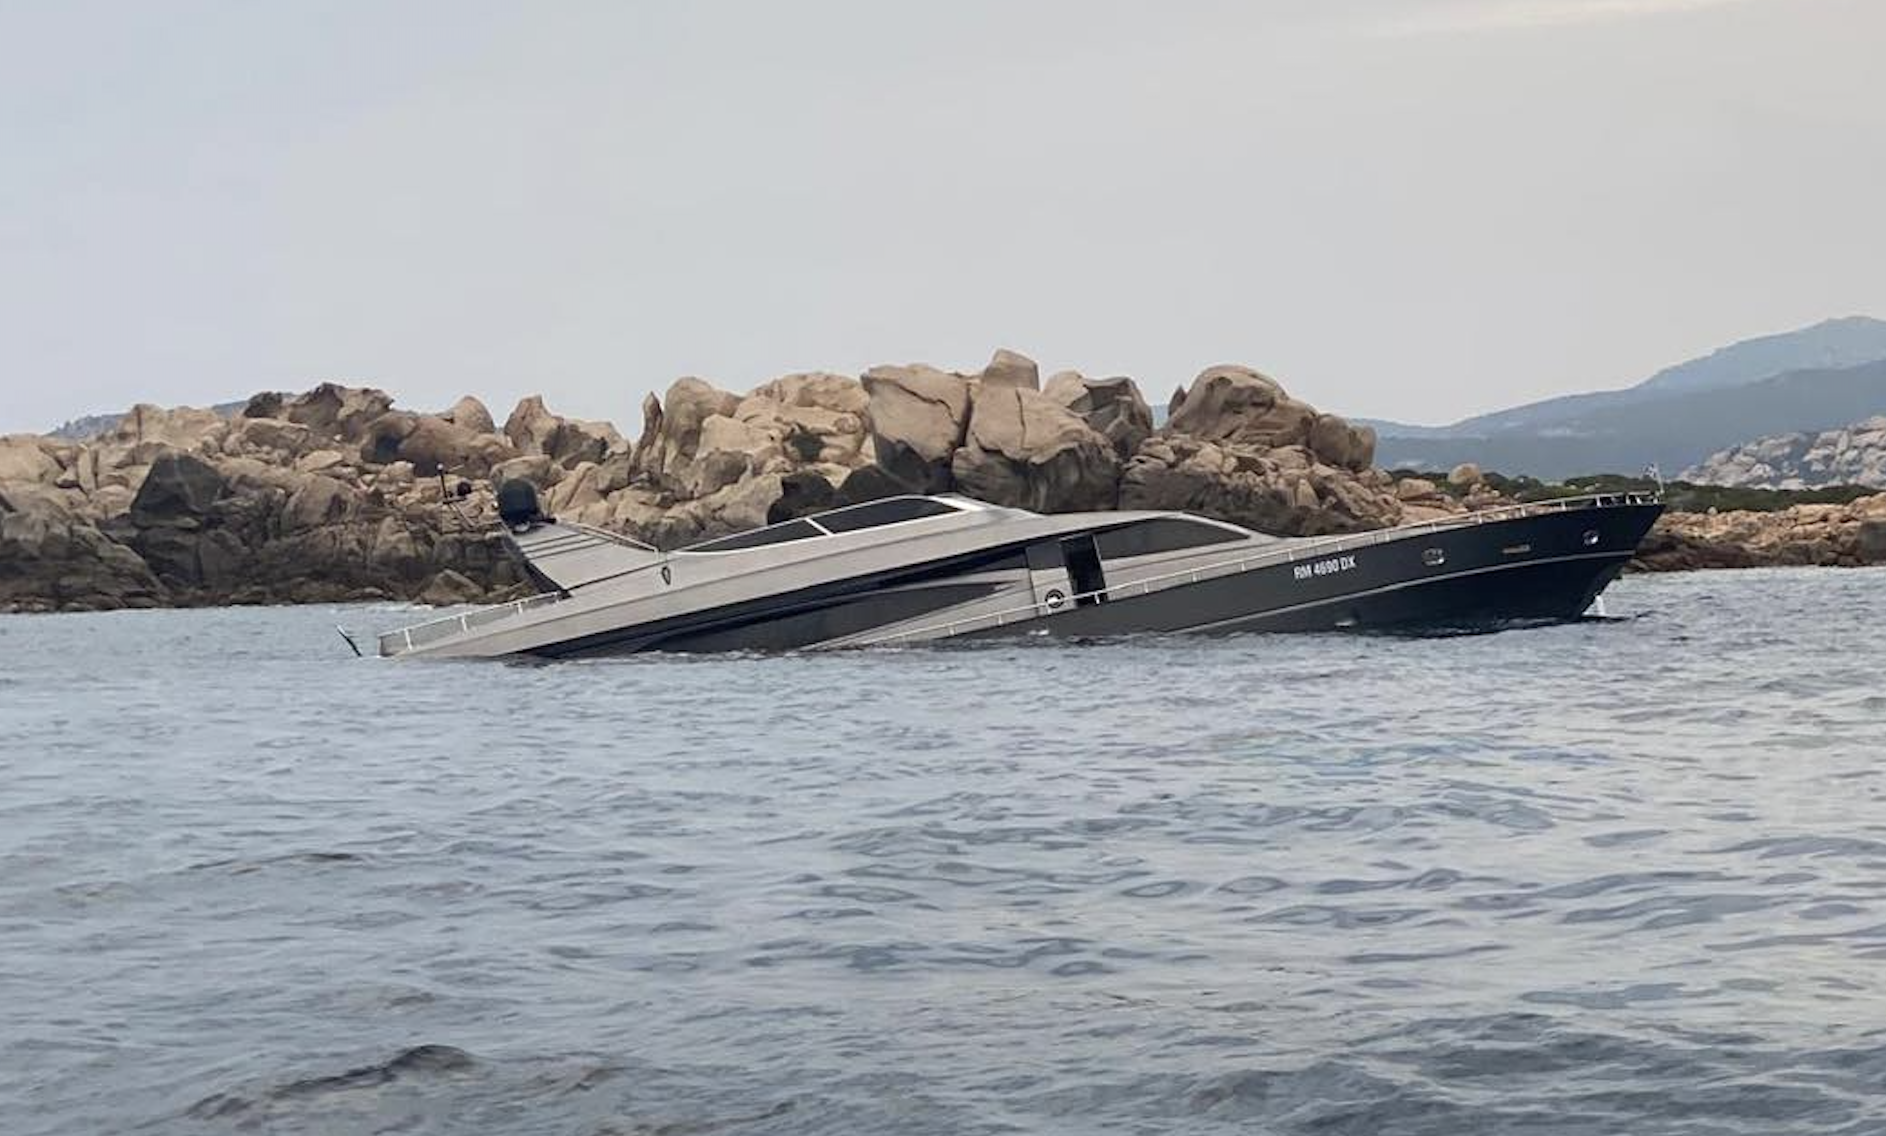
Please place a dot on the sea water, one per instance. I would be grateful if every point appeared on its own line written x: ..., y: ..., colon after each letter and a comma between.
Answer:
x: 1620, y: 876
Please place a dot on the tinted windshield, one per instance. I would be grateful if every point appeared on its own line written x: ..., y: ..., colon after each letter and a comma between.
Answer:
x: 886, y: 512
x: 759, y: 538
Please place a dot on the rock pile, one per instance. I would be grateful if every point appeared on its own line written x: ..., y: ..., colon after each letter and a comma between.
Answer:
x: 312, y: 498
x: 1237, y: 447
x: 338, y: 494
x: 710, y: 461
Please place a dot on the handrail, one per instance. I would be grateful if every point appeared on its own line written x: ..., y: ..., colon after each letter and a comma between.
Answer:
x: 1295, y: 550
x: 420, y: 634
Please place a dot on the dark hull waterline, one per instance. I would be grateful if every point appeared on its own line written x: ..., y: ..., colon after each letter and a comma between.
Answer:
x: 1526, y: 569
x: 1483, y: 579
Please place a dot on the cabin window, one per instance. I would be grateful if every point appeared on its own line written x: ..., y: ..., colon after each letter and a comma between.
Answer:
x: 760, y: 538
x: 1164, y: 534
x: 889, y: 511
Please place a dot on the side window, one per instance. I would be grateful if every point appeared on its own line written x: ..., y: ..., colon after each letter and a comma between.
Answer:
x: 1164, y: 534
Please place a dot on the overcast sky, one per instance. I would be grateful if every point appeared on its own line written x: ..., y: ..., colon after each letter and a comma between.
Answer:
x: 1415, y: 209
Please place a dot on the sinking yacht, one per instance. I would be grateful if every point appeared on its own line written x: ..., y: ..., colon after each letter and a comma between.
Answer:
x: 905, y: 570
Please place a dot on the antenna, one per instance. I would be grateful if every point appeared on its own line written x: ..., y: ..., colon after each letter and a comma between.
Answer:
x: 450, y: 499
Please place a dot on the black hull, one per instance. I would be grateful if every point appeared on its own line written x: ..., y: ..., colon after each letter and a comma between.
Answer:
x: 1545, y: 566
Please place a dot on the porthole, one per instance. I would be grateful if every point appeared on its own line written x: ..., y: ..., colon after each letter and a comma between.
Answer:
x: 1591, y: 537
x: 1054, y: 599
x: 1433, y: 557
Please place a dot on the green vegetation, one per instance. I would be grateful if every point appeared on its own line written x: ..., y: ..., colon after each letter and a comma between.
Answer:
x: 1681, y: 496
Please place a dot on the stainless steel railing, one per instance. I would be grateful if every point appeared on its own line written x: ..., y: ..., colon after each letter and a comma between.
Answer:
x: 1294, y: 550
x: 404, y: 639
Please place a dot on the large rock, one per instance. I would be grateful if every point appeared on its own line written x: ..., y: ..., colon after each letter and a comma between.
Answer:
x: 435, y: 445
x: 800, y: 494
x: 271, y: 438
x: 449, y: 588
x: 813, y: 419
x: 316, y: 501
x: 182, y: 427
x: 265, y: 404
x: 868, y: 483
x: 385, y: 435
x: 576, y: 492
x: 181, y: 488
x: 744, y: 505
x: 1869, y: 538
x: 1236, y: 405
x: 471, y: 414
x: 644, y: 462
x: 1284, y: 492
x: 112, y: 465
x: 1239, y: 448
x: 837, y: 393
x: 616, y: 472
x: 729, y: 450
x: 53, y: 557
x: 1011, y: 369
x: 700, y: 440
x: 337, y: 413
x: 1340, y: 444
x: 29, y: 459
x: 569, y: 442
x: 671, y: 431
x: 1025, y: 450
x: 918, y: 416
x: 537, y: 469
x: 1112, y: 407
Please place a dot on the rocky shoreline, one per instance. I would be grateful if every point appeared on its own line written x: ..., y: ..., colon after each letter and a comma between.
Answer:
x: 1799, y: 536
x: 337, y: 495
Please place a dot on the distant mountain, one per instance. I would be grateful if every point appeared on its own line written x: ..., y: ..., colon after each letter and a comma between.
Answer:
x: 1674, y: 431
x: 80, y: 429
x: 1828, y: 345
x: 92, y: 425
x: 1592, y: 432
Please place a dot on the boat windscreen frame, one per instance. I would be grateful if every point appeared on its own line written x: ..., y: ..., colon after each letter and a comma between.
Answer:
x: 749, y: 540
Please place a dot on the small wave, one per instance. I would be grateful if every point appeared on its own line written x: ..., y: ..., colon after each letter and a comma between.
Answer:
x: 418, y: 1061
x: 313, y: 858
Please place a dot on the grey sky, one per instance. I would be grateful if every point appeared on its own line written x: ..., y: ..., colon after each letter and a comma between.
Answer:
x: 1401, y: 208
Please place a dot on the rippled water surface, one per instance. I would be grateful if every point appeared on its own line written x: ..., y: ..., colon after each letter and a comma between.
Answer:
x: 1615, y: 877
